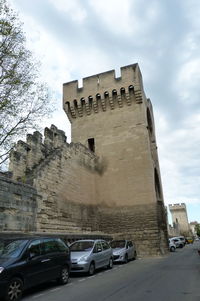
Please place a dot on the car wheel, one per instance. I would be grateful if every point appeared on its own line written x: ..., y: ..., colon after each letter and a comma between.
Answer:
x: 172, y: 249
x: 14, y: 290
x: 91, y: 269
x: 126, y: 258
x: 181, y: 246
x: 64, y: 275
x: 110, y: 265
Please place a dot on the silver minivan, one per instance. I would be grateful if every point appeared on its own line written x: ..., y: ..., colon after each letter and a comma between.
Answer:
x: 123, y: 250
x: 89, y: 255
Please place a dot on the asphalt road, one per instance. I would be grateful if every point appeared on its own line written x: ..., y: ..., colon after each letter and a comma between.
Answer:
x: 174, y: 277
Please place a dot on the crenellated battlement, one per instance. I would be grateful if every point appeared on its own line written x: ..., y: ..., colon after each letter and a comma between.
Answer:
x: 26, y: 155
x: 30, y: 157
x: 103, y: 91
x: 177, y: 206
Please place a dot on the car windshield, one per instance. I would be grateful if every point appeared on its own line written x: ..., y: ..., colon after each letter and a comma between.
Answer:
x: 117, y: 244
x: 11, y: 249
x: 80, y: 246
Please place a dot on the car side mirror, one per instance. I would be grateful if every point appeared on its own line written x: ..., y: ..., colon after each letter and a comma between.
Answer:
x: 99, y: 250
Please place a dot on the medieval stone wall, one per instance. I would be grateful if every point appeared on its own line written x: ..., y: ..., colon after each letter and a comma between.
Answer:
x: 22, y: 209
x: 18, y: 206
x: 138, y: 223
x: 67, y: 184
x: 64, y: 175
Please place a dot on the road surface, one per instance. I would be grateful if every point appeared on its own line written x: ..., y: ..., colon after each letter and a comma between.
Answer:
x: 174, y: 277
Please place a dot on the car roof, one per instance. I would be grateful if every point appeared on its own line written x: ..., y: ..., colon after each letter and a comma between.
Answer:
x: 25, y: 238
x: 87, y: 240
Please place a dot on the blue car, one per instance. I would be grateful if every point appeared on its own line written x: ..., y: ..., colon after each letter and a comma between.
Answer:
x: 27, y: 262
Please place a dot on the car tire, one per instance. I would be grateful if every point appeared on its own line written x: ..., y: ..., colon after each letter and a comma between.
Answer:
x: 14, y: 290
x: 181, y: 246
x: 64, y: 276
x: 172, y: 249
x: 91, y: 270
x: 110, y: 265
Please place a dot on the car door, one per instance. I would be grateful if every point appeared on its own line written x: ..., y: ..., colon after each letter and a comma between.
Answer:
x: 52, y: 258
x: 36, y: 266
x: 61, y: 256
x: 97, y: 255
x: 106, y: 253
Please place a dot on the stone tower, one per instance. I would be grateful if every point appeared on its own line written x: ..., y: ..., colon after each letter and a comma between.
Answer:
x: 114, y: 119
x: 179, y: 215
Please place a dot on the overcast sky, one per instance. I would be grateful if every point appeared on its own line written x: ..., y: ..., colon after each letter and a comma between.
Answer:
x: 78, y: 38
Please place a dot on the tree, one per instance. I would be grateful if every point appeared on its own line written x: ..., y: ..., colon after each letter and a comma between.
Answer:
x: 24, y: 101
x: 197, y: 228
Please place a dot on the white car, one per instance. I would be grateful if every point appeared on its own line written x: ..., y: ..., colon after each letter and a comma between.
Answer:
x: 172, y: 245
x: 123, y: 250
x: 182, y: 238
x: 88, y: 255
x: 178, y: 242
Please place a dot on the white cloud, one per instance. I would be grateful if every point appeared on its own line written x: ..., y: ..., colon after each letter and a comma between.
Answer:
x: 180, y: 164
x: 116, y: 15
x: 74, y: 9
x: 188, y: 81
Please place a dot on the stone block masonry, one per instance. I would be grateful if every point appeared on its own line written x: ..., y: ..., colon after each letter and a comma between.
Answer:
x: 139, y: 223
x: 18, y: 206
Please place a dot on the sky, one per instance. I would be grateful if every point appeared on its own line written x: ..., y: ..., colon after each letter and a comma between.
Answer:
x: 79, y: 38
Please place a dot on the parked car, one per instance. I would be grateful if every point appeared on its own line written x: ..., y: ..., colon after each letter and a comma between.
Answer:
x: 28, y: 261
x: 123, y: 250
x: 182, y: 238
x: 189, y: 240
x: 178, y: 242
x: 89, y: 255
x: 172, y: 245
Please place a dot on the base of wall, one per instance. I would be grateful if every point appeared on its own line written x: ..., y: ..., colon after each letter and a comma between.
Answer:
x: 141, y: 224
x: 24, y: 212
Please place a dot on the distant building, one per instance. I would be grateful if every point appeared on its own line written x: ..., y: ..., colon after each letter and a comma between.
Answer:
x: 180, y: 218
x: 192, y: 228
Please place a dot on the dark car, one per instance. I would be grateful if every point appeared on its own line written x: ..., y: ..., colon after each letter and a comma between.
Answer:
x: 27, y: 262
